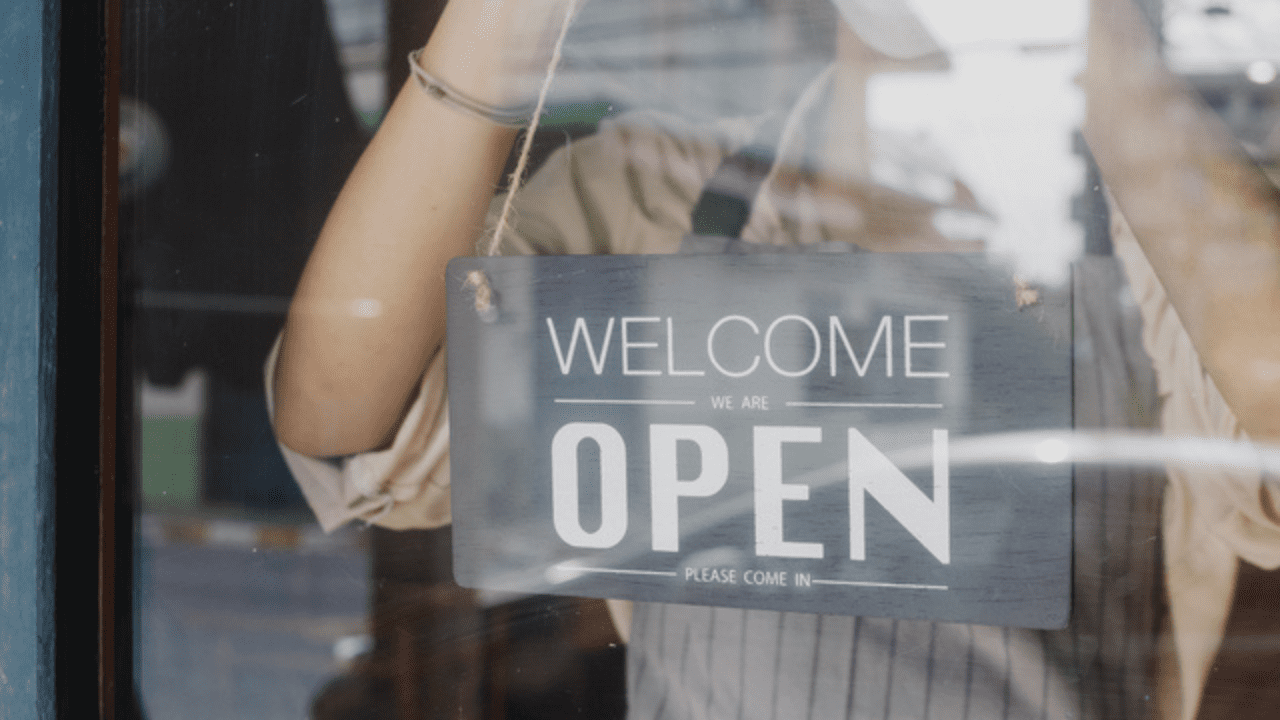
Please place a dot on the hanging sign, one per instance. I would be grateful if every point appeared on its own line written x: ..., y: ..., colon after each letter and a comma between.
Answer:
x: 789, y: 432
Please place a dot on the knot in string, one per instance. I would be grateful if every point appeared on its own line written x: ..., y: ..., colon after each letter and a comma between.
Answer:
x: 486, y: 308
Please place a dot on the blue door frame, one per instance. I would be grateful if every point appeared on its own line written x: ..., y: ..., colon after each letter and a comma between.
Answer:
x: 28, y: 44
x: 58, y: 656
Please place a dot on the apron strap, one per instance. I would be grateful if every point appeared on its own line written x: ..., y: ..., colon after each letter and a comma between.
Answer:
x: 724, y: 206
x: 725, y: 203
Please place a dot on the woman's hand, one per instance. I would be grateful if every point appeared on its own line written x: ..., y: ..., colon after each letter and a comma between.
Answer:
x: 369, y: 311
x: 495, y: 51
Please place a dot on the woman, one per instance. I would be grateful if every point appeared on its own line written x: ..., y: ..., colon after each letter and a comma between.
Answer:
x: 360, y: 369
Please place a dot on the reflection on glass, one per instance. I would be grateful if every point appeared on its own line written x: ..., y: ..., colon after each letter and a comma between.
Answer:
x: 1100, y: 164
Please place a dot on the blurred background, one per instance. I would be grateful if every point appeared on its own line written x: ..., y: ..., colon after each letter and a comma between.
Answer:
x: 239, y: 122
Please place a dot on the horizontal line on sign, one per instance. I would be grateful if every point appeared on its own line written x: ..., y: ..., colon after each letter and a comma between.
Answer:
x: 612, y: 401
x: 867, y: 583
x: 616, y: 571
x: 921, y: 406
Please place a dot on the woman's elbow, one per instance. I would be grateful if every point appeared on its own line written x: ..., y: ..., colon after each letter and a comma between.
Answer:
x: 318, y: 429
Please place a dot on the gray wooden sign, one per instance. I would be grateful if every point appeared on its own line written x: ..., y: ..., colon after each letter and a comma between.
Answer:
x: 764, y: 431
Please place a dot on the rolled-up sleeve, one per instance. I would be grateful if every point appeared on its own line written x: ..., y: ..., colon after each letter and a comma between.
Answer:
x: 627, y: 189
x: 403, y: 486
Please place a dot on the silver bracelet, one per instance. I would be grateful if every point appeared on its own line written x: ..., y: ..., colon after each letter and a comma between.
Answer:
x: 507, y: 117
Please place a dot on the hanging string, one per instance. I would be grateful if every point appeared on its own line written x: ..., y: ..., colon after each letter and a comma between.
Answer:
x: 517, y: 175
x: 476, y: 279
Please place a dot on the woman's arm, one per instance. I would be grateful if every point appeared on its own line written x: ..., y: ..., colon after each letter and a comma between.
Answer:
x: 369, y: 311
x: 1206, y: 217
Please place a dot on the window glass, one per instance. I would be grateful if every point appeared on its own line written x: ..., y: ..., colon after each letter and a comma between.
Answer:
x: 870, y: 358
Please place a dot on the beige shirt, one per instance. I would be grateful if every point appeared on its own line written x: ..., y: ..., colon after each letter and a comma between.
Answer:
x: 1213, y: 513
x: 630, y: 189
